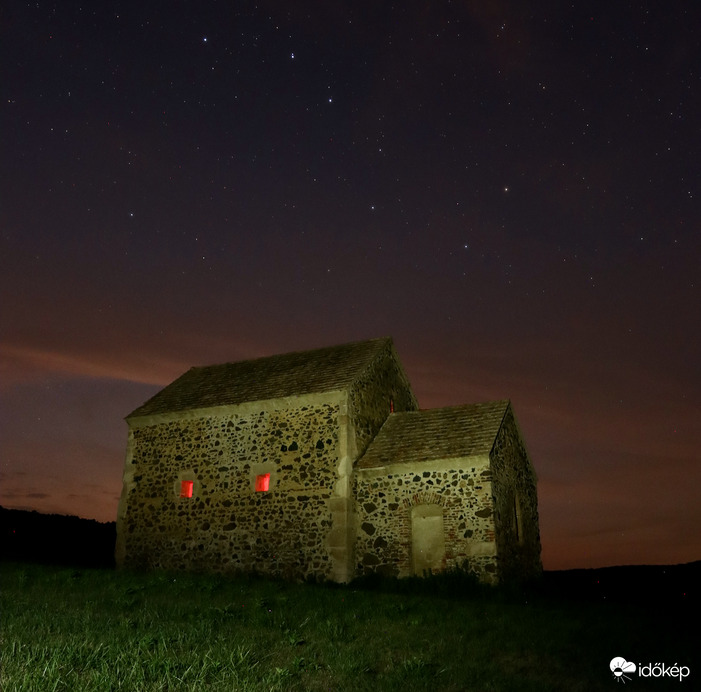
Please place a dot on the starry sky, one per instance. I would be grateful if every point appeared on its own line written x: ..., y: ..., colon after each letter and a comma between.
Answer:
x: 510, y: 190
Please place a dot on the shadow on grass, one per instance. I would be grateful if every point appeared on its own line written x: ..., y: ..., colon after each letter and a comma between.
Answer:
x: 450, y: 585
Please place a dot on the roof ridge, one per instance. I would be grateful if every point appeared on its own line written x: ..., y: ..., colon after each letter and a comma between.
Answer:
x: 317, y: 370
x: 457, y: 406
x: 292, y: 353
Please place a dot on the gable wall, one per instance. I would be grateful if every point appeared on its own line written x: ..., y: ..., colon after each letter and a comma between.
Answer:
x: 371, y: 397
x: 515, y: 493
x: 369, y: 400
x: 226, y: 525
x: 384, y: 501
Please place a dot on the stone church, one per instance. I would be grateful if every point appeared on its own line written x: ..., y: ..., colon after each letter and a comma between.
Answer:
x: 319, y: 464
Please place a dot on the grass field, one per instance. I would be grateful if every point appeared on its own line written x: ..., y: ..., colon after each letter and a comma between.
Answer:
x: 90, y: 629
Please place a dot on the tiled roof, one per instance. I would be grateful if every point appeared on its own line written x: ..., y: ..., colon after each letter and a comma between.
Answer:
x: 304, y: 372
x: 440, y: 433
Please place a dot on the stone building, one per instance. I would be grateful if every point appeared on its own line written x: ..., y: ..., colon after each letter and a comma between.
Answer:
x: 319, y: 464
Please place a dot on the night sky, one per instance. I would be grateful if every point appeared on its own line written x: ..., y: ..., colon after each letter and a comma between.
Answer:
x: 510, y: 190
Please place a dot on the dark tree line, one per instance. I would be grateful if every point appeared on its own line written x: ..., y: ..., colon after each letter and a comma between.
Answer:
x: 55, y: 539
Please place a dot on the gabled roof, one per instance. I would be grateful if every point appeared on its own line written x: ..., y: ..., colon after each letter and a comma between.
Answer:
x: 305, y: 372
x: 439, y: 433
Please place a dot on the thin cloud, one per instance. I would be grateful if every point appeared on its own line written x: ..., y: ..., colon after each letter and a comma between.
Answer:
x: 24, y: 363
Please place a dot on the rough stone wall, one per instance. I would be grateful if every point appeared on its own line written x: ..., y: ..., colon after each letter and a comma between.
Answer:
x: 370, y: 396
x: 226, y: 525
x: 382, y: 388
x: 385, y: 497
x: 515, y: 506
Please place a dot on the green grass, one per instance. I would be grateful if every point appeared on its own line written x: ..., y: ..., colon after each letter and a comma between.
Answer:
x: 81, y: 630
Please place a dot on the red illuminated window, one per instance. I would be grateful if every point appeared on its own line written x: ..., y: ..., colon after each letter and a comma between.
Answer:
x: 186, y: 488
x: 262, y: 482
x: 391, y: 405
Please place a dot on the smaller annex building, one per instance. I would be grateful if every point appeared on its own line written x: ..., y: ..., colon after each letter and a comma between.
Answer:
x: 319, y: 464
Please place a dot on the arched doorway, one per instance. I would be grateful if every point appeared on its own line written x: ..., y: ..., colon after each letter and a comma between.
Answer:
x: 427, y: 539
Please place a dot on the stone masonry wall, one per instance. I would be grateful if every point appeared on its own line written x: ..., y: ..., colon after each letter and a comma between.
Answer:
x: 382, y: 386
x: 516, y: 506
x: 226, y: 525
x: 385, y: 497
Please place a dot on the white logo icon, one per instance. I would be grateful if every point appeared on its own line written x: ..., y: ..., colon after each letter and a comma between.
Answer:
x: 619, y: 667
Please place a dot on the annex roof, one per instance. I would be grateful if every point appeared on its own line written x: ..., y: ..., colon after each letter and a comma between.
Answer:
x: 304, y: 372
x: 439, y: 433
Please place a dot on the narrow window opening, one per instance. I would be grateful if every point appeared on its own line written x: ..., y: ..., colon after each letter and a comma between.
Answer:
x: 262, y: 483
x: 186, y: 488
x: 517, y: 519
x: 391, y: 405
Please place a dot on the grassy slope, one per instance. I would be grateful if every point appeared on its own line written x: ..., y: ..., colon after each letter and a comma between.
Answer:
x: 67, y: 629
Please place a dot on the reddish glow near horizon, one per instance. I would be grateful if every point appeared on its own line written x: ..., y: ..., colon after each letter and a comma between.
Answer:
x: 262, y: 482
x: 186, y: 488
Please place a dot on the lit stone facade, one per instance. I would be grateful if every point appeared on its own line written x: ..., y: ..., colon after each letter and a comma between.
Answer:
x: 479, y: 507
x: 280, y: 466
x: 389, y: 500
